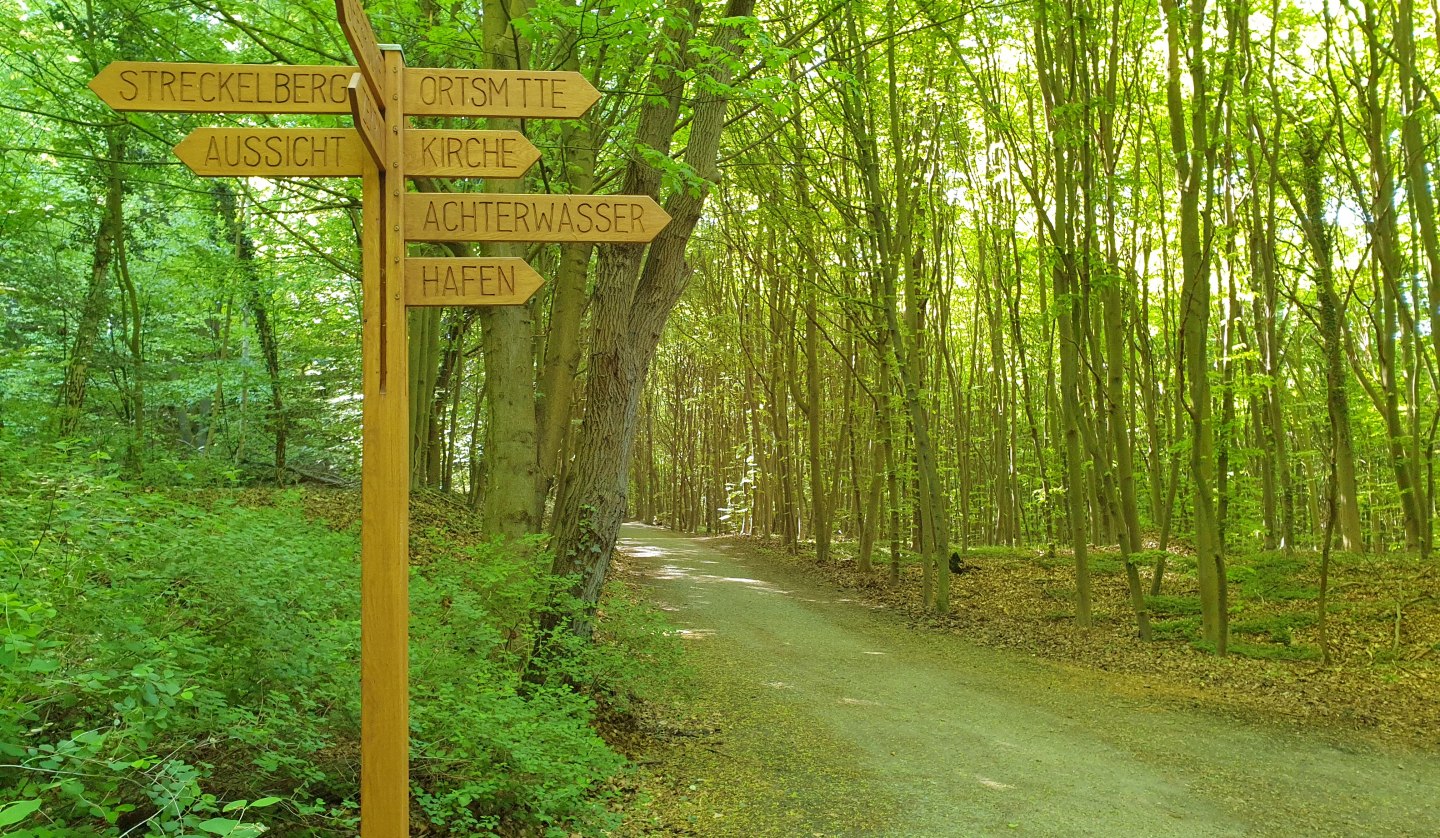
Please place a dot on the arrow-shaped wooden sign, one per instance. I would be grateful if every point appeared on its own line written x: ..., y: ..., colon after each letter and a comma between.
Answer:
x: 473, y: 217
x: 272, y: 152
x: 222, y: 88
x: 469, y: 282
x: 489, y: 154
x: 356, y: 27
x: 264, y: 88
x: 337, y: 152
x: 369, y: 120
x: 501, y: 93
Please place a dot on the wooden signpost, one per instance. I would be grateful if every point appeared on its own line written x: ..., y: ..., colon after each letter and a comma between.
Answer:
x: 380, y: 95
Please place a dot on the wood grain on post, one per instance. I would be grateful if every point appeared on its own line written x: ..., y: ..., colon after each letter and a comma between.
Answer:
x: 474, y: 217
x: 368, y: 118
x: 498, y: 281
x: 385, y: 493
x: 356, y: 26
x: 222, y: 88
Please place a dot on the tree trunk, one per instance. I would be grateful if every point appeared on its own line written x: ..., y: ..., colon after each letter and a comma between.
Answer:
x: 511, y: 508
x: 97, y: 300
x: 634, y: 295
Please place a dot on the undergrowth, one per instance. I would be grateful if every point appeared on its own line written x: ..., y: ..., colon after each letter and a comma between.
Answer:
x: 169, y: 667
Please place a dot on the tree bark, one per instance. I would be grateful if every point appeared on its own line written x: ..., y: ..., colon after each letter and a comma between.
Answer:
x: 97, y: 300
x: 635, y: 293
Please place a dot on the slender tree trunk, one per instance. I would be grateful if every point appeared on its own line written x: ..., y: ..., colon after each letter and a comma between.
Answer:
x: 1337, y: 399
x: 511, y: 505
x: 256, y: 302
x: 97, y: 300
x: 819, y: 515
x: 1185, y: 34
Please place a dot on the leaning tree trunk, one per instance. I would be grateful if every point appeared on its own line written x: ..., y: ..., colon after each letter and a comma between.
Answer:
x: 635, y: 293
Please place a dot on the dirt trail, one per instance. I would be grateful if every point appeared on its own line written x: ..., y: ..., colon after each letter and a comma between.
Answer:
x: 833, y: 718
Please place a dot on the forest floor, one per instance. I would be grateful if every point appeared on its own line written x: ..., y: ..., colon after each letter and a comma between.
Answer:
x: 820, y: 710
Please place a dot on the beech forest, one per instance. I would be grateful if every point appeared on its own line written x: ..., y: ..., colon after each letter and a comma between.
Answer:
x: 1026, y: 422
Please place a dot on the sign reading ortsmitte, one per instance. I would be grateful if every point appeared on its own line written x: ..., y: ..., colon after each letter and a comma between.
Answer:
x: 380, y: 94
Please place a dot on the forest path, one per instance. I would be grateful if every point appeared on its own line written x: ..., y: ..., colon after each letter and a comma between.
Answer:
x: 826, y: 717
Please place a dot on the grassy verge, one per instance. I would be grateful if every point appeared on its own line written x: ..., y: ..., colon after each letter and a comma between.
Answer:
x: 186, y: 663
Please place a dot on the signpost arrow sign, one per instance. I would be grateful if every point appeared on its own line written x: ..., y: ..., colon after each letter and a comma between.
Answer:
x: 473, y: 217
x: 369, y: 121
x: 272, y: 152
x: 356, y: 27
x: 469, y: 282
x: 501, y: 93
x: 222, y: 88
x: 491, y: 154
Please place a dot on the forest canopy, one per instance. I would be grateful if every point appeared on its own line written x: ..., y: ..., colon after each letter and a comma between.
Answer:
x: 1157, y: 279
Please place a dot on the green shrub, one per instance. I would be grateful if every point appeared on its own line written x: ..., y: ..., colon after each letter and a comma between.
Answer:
x: 1173, y: 606
x: 1184, y: 628
x: 195, y: 670
x: 1274, y: 576
x: 1277, y: 627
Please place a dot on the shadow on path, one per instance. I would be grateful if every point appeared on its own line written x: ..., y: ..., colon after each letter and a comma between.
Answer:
x: 940, y: 738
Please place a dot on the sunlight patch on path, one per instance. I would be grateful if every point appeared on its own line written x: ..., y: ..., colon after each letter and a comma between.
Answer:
x: 693, y: 634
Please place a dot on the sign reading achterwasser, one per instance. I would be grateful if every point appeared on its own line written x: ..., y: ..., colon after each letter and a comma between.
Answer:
x: 532, y: 218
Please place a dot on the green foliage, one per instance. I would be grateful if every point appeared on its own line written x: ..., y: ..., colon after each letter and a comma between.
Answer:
x: 1273, y: 576
x: 193, y: 668
x: 1173, y: 606
x: 1276, y: 628
x: 1184, y: 629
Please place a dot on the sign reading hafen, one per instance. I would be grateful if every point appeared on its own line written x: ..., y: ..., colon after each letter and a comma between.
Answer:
x: 469, y: 282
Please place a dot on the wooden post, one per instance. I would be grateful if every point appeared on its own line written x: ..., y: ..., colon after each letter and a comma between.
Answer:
x: 385, y: 489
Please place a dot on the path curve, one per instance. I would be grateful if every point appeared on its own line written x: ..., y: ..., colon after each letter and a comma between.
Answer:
x: 935, y: 737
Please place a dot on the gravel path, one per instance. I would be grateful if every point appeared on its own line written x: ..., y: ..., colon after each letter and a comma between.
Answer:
x: 831, y: 718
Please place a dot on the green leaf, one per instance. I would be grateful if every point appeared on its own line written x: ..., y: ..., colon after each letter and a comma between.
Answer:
x: 219, y: 826
x: 264, y: 801
x: 233, y: 805
x: 17, y: 811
